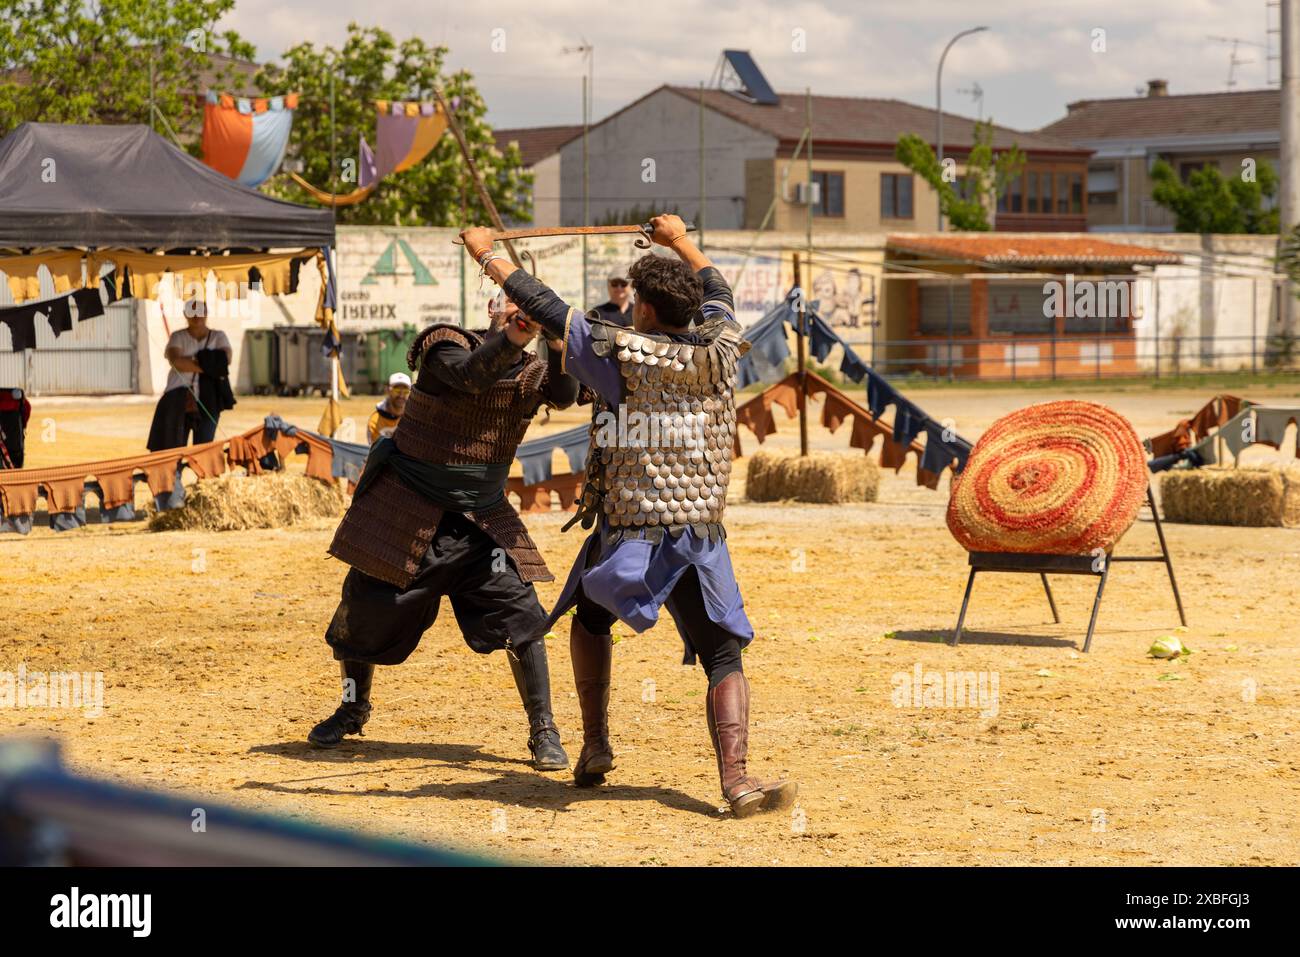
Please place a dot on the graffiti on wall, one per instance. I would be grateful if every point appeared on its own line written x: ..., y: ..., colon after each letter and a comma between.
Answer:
x: 395, y: 277
x: 392, y: 277
x: 846, y: 297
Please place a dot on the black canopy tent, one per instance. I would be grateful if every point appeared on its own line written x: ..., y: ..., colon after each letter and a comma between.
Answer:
x: 65, y: 185
x: 100, y: 188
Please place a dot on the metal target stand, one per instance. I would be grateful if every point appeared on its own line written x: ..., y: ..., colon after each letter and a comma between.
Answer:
x: 1042, y: 565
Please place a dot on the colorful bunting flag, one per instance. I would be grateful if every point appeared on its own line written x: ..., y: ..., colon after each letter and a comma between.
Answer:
x: 244, y: 138
x: 405, y: 133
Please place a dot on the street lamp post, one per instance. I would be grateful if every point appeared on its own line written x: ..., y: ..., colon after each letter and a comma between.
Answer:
x: 938, y: 102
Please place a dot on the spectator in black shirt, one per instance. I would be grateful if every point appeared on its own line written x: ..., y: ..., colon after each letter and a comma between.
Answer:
x: 619, y: 307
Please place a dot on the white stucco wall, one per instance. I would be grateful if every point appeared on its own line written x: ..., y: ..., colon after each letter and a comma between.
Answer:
x: 663, y: 129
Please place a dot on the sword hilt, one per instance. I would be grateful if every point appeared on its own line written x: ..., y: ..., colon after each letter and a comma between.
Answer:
x: 645, y: 242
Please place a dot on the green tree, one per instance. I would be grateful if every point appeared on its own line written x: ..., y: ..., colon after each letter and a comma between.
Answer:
x: 88, y: 61
x: 1209, y: 202
x: 372, y: 66
x: 986, y: 177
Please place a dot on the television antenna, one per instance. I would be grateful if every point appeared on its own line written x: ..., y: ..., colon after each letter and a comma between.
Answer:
x: 589, y: 54
x: 976, y: 93
x: 1235, y: 61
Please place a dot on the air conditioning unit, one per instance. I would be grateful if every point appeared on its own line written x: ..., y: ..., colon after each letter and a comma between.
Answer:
x: 807, y: 194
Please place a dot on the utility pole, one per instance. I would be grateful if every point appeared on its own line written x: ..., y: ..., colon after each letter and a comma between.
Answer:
x: 1290, y: 153
x: 588, y: 94
x: 802, y: 314
x: 699, y: 220
x: 338, y: 346
x: 586, y: 172
x: 808, y: 120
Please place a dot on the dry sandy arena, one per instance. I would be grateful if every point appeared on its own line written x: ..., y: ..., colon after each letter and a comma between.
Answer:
x: 213, y: 678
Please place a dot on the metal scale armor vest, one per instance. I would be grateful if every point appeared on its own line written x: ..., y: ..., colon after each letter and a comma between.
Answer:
x: 662, y: 462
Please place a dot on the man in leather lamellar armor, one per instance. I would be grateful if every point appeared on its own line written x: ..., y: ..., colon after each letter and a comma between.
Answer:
x: 429, y: 519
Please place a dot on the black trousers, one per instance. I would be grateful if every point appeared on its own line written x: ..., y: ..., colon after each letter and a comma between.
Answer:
x: 382, y: 624
x: 202, y: 428
x: 717, y: 648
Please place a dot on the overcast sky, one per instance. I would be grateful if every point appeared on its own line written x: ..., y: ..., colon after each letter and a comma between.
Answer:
x: 1036, y: 57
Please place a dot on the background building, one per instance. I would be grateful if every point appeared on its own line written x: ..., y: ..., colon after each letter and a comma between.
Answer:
x: 651, y: 154
x: 539, y: 146
x: 1128, y: 135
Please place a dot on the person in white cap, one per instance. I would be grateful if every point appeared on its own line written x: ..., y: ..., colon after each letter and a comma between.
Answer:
x: 389, y: 410
x: 619, y: 307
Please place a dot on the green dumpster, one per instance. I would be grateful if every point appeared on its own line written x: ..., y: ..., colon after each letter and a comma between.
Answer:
x: 260, y: 354
x: 352, y: 361
x: 291, y: 358
x: 387, y: 350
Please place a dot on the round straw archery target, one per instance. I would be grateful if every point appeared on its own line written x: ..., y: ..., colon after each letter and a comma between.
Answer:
x: 1061, y: 478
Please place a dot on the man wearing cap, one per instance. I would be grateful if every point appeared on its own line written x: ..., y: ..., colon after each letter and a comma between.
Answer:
x: 619, y: 308
x: 384, y: 419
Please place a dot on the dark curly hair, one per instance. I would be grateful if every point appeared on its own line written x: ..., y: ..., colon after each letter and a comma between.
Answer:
x: 670, y: 287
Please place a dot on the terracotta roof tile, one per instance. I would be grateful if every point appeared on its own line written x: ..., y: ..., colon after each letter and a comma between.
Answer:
x: 1031, y: 250
x: 537, y: 142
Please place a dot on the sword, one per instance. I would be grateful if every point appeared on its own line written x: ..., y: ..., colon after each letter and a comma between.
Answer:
x: 644, y: 229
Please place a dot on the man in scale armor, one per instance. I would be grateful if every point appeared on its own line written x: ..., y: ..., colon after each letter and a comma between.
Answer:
x: 663, y: 438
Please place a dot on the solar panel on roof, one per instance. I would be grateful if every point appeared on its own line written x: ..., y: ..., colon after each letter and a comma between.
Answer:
x: 753, y: 84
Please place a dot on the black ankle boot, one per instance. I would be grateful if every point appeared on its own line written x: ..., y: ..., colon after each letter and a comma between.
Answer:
x: 353, y: 713
x: 533, y: 679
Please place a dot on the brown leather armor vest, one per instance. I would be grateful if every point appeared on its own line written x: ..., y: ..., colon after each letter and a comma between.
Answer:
x: 457, y: 428
x: 387, y: 530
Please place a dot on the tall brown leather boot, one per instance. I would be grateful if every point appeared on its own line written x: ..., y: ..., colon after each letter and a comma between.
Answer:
x: 727, y: 710
x: 592, y: 657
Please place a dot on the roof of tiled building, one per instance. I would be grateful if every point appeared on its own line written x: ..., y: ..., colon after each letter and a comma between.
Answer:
x: 537, y: 142
x: 855, y: 120
x: 1031, y: 250
x: 1194, y: 114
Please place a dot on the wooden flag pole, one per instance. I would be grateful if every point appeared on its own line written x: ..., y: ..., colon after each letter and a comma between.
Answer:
x: 483, y: 196
x: 803, y: 374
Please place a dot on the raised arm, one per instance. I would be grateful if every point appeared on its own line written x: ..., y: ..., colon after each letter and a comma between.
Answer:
x: 670, y: 231
x: 473, y: 371
x: 534, y: 298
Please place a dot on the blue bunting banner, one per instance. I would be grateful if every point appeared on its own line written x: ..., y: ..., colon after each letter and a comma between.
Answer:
x: 535, y: 454
x: 769, y: 350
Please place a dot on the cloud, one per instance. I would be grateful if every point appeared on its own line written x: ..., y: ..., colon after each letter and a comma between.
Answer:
x: 1035, y: 58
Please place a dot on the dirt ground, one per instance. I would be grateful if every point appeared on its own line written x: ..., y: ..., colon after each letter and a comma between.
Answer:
x: 215, y: 669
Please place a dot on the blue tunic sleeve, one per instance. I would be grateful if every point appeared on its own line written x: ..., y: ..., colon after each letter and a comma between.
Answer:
x: 562, y: 321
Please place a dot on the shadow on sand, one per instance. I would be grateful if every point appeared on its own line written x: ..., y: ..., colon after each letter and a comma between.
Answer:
x: 970, y: 637
x: 515, y: 782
